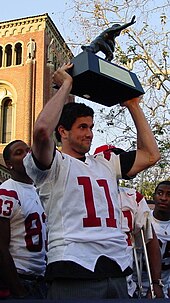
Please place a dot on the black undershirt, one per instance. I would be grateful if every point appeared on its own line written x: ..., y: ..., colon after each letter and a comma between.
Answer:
x: 104, y: 268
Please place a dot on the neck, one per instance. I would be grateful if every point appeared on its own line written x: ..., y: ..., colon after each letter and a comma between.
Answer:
x: 83, y: 159
x: 73, y: 153
x: 23, y: 179
x: 161, y: 215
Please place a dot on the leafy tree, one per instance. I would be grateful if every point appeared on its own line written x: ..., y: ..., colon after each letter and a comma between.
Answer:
x: 143, y: 48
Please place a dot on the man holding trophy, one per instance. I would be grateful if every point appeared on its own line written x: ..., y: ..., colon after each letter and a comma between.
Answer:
x: 87, y: 255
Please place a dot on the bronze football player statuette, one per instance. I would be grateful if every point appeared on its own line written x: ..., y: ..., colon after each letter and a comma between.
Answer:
x: 105, y: 42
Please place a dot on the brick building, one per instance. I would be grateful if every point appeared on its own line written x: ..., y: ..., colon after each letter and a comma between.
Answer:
x: 31, y: 49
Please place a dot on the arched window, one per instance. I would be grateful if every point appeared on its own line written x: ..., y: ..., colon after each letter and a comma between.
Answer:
x: 8, y: 53
x: 18, y: 53
x: 1, y: 53
x: 6, y: 120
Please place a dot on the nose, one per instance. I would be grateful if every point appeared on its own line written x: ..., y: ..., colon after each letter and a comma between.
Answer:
x: 89, y: 133
x: 163, y: 197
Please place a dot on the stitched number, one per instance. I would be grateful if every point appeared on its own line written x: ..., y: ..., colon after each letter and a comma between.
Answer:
x: 110, y: 222
x: 8, y: 205
x: 127, y: 214
x: 33, y: 228
x: 92, y: 220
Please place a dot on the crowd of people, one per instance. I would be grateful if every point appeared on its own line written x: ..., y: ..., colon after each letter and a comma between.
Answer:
x: 68, y: 230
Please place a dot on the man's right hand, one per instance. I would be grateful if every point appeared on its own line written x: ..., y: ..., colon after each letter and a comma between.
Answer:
x: 60, y: 75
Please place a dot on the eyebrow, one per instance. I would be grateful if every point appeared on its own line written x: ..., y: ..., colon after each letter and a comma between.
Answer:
x: 85, y: 124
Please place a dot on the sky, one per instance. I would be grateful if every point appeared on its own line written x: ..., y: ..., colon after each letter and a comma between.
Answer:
x: 20, y: 8
x: 24, y: 8
x: 17, y: 9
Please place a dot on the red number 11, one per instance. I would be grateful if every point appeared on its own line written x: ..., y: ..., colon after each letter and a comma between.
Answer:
x: 92, y: 220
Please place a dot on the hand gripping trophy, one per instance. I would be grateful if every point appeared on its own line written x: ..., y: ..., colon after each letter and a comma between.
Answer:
x: 105, y: 42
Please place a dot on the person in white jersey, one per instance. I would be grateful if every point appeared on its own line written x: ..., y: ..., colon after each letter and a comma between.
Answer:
x: 86, y: 247
x: 23, y: 230
x: 161, y: 224
x: 135, y: 215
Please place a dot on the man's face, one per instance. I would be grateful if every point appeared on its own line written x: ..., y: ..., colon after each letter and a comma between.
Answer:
x: 162, y: 198
x: 17, y: 152
x: 80, y: 136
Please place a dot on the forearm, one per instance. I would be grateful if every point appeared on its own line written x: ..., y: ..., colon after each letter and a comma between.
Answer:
x: 10, y: 276
x: 147, y: 149
x: 50, y: 115
x: 43, y: 143
x: 154, y: 257
x: 125, y: 26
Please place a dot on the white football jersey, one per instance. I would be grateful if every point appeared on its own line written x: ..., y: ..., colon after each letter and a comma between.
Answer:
x: 20, y: 203
x: 81, y: 203
x: 135, y: 214
x: 162, y: 229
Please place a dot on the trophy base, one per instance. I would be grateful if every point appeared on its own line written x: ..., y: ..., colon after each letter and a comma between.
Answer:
x: 101, y: 81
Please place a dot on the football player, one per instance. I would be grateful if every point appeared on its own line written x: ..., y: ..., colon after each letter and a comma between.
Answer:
x: 86, y: 247
x: 23, y: 230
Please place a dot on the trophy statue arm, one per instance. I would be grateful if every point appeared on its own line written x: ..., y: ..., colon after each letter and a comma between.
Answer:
x: 122, y: 27
x: 127, y: 24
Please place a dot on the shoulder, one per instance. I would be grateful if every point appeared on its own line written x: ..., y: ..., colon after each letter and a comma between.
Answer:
x: 107, y: 155
x: 139, y: 197
x: 127, y: 191
x: 10, y: 200
x: 128, y: 194
x: 9, y: 188
x: 6, y: 183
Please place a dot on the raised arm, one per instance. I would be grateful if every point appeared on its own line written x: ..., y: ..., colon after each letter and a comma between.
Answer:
x: 147, y: 150
x: 118, y: 28
x: 128, y: 24
x: 43, y: 143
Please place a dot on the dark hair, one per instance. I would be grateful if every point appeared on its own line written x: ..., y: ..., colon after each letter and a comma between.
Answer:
x: 6, y: 151
x: 71, y: 111
x: 164, y: 183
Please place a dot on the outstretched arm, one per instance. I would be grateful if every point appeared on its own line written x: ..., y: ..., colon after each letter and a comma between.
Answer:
x: 128, y: 24
x: 43, y: 143
x: 147, y: 150
x: 116, y: 29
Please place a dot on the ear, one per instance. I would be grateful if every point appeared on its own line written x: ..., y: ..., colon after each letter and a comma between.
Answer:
x: 63, y: 132
x: 8, y: 164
